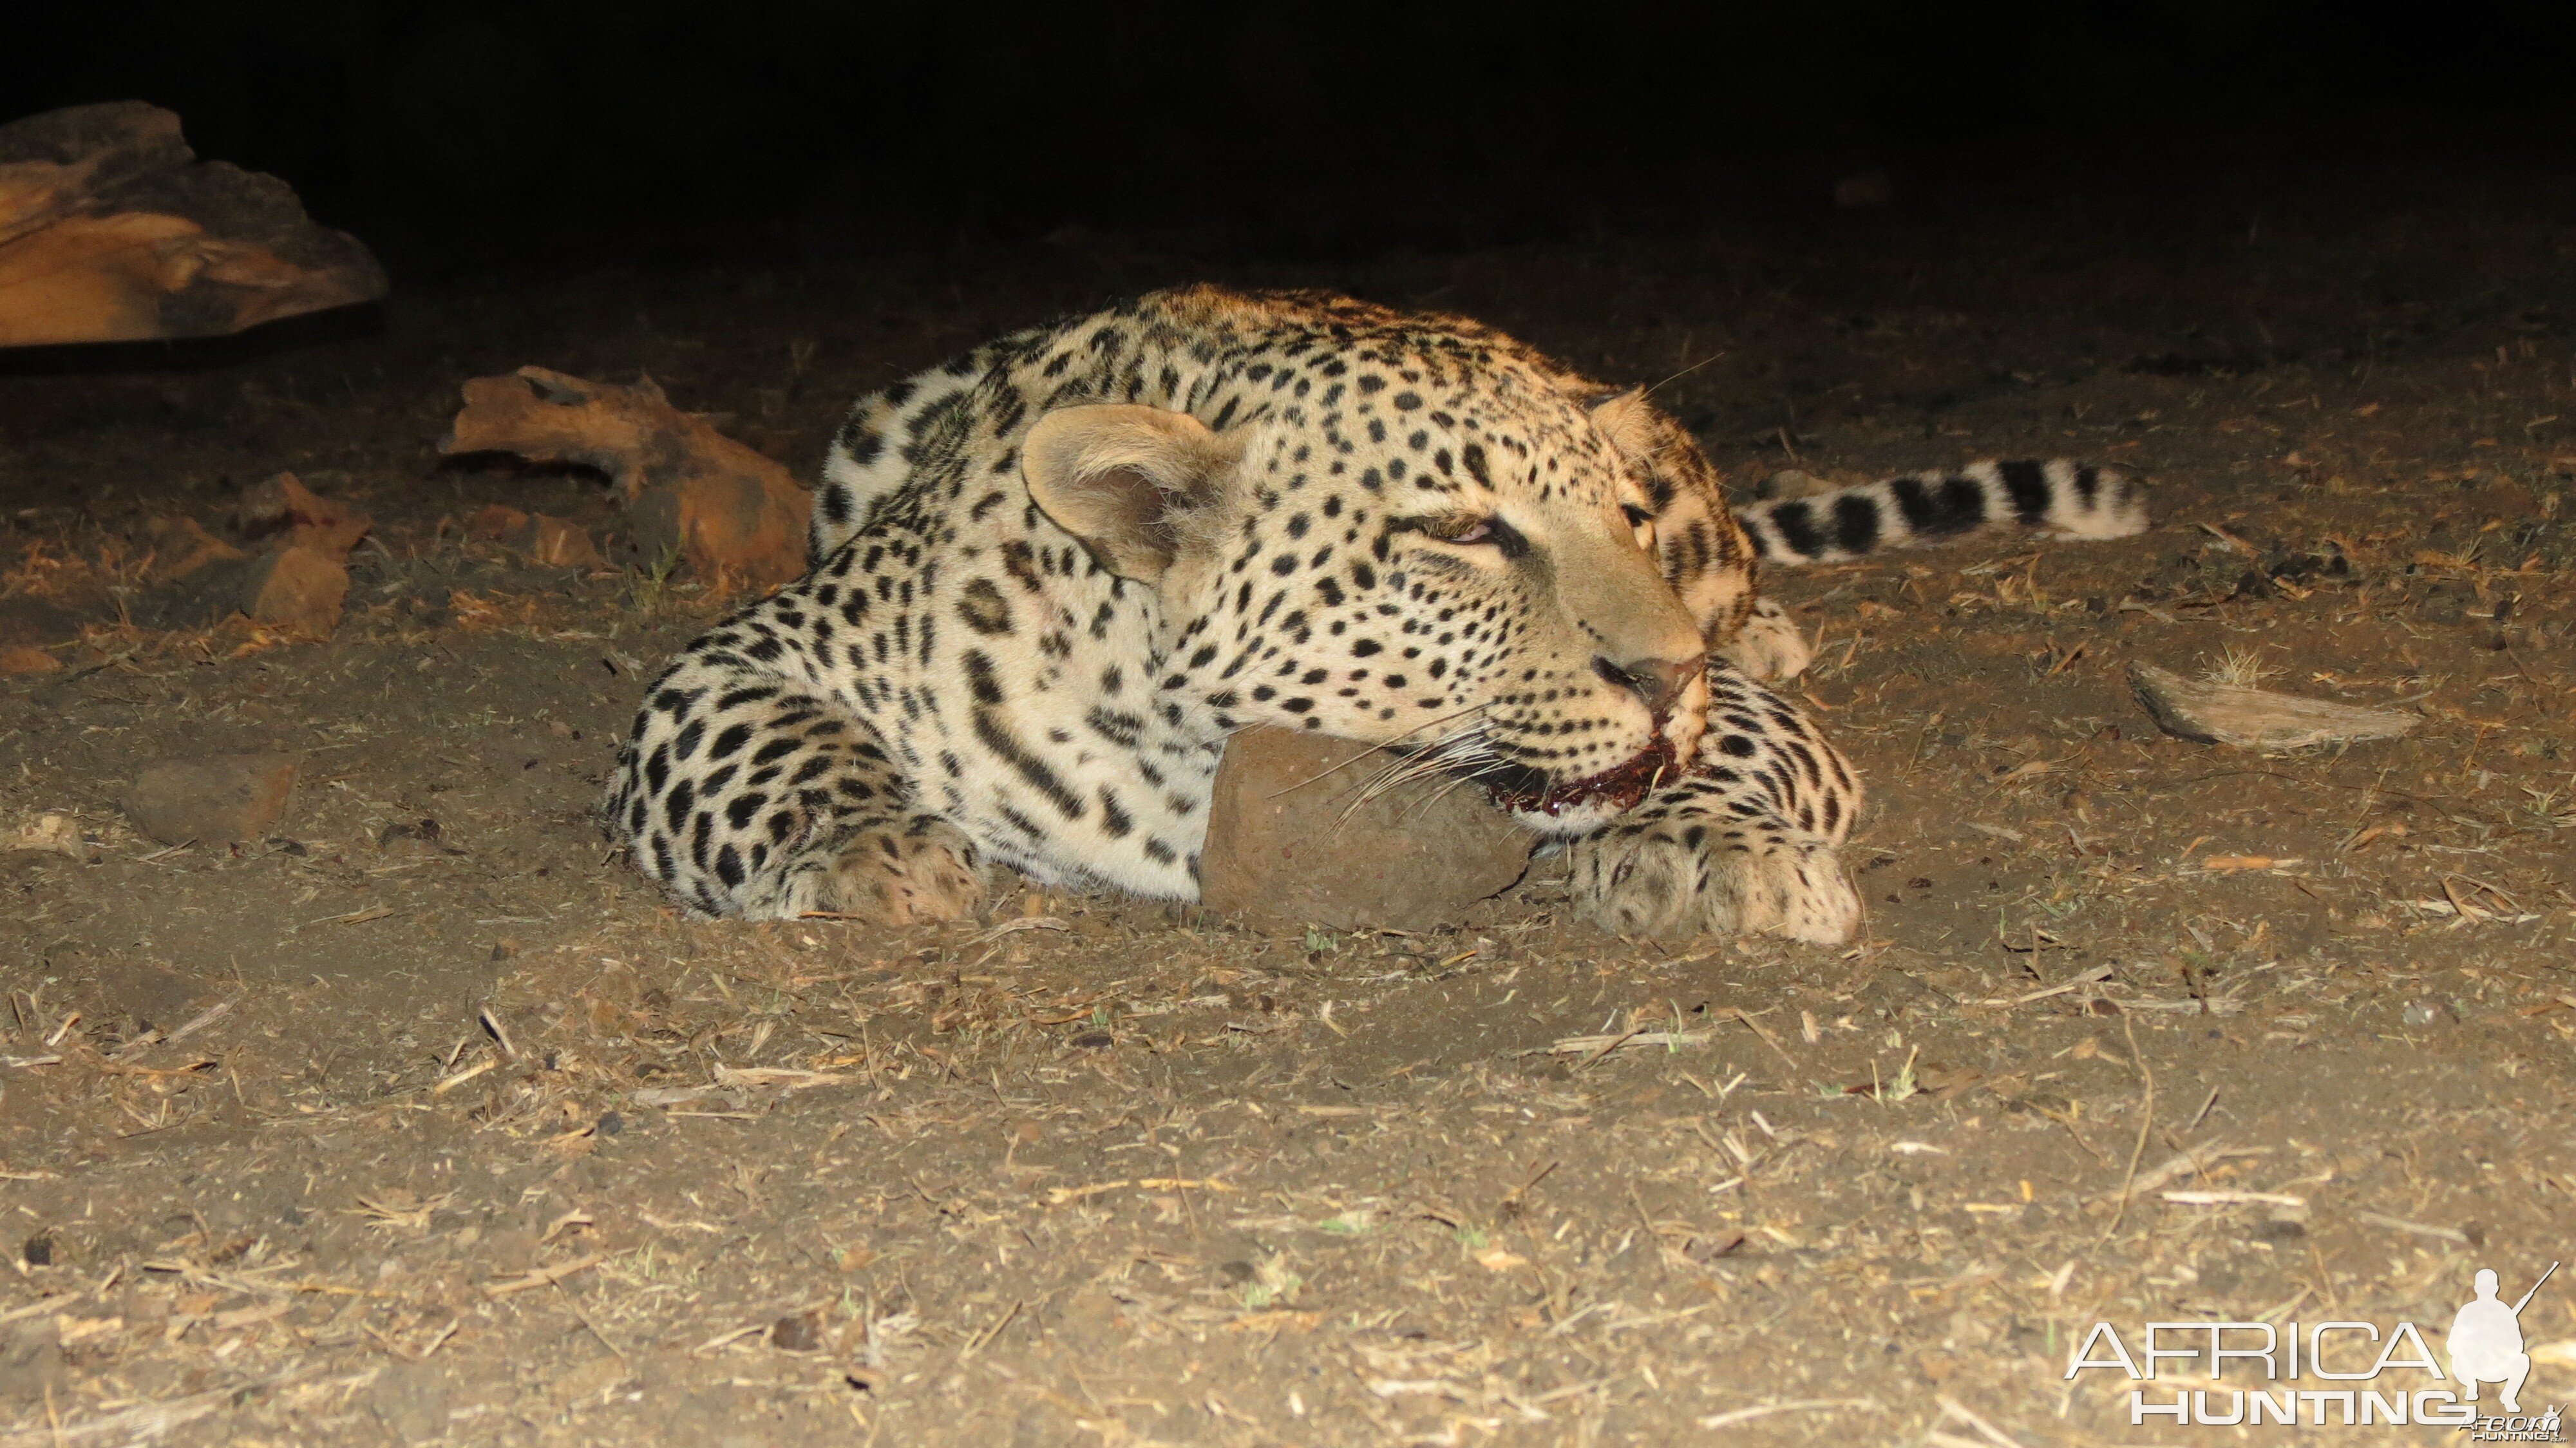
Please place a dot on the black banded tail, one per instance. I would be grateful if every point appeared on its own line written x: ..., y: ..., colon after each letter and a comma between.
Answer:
x: 2069, y: 500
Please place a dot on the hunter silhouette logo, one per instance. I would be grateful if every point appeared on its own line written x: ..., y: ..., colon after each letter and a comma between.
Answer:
x: 2486, y: 1341
x: 2332, y: 1374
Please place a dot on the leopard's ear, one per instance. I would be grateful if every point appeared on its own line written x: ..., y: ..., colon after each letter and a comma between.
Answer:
x: 1124, y: 480
x: 1625, y: 417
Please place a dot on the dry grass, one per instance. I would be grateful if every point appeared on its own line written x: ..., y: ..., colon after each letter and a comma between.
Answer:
x: 2241, y: 668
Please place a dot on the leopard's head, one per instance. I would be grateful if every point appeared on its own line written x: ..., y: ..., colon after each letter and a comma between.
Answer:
x: 1458, y: 561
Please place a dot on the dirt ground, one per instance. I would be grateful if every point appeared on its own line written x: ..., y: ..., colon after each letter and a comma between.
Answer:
x: 475, y: 1139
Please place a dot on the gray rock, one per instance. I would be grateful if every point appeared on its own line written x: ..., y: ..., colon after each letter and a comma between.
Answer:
x: 220, y: 799
x: 1291, y: 842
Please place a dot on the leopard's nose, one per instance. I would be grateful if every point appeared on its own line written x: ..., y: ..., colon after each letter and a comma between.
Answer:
x: 1657, y: 681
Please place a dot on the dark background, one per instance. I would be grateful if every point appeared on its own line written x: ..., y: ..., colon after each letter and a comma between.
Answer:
x: 468, y: 136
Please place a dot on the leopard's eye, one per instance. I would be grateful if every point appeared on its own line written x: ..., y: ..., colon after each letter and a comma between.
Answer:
x: 1643, y: 524
x: 1461, y: 529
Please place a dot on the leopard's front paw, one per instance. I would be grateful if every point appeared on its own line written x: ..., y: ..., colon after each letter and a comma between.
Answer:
x: 1770, y: 647
x: 1657, y: 880
x: 918, y: 875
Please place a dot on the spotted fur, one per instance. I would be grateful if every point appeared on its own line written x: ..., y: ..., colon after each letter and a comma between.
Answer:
x: 1743, y: 842
x: 1051, y: 577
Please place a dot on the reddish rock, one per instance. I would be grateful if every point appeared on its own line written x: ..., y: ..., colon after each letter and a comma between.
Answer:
x: 298, y: 585
x: 1289, y: 840
x: 216, y: 800
x: 553, y: 541
x: 19, y: 660
x: 181, y: 548
x: 298, y: 589
x: 496, y: 522
x: 326, y: 525
x: 558, y: 543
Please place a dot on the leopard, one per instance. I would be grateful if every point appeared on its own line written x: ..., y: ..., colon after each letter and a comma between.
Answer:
x: 1049, y: 579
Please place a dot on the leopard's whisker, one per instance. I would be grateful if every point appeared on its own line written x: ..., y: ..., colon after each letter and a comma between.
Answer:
x: 1467, y: 750
x: 1394, y: 779
x: 1445, y: 757
x: 1456, y: 783
x: 1491, y: 765
x: 1435, y: 755
x: 1391, y: 743
x: 1465, y: 760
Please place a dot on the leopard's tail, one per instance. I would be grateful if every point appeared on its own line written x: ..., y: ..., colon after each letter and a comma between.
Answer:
x: 2069, y: 500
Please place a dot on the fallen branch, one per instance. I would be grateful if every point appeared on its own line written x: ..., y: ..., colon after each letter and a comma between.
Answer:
x: 2255, y: 718
x: 112, y: 231
x: 543, y: 1276
x: 735, y: 516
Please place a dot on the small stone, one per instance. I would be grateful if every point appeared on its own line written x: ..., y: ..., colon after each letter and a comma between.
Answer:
x: 2423, y: 1013
x: 611, y: 1124
x: 223, y: 799
x: 298, y: 589
x: 497, y: 521
x: 1095, y: 1041
x: 38, y: 1250
x: 546, y: 539
x: 2278, y: 1231
x: 325, y: 525
x: 1709, y: 1249
x: 423, y: 832
x: 560, y: 544
x: 18, y: 661
x: 1290, y: 841
x: 797, y: 1332
x: 180, y: 547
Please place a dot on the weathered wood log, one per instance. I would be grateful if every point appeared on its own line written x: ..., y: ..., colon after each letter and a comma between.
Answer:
x: 735, y: 516
x: 2256, y: 718
x: 111, y: 232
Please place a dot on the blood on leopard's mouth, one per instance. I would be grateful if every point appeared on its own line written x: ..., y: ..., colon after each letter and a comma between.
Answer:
x: 1526, y: 790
